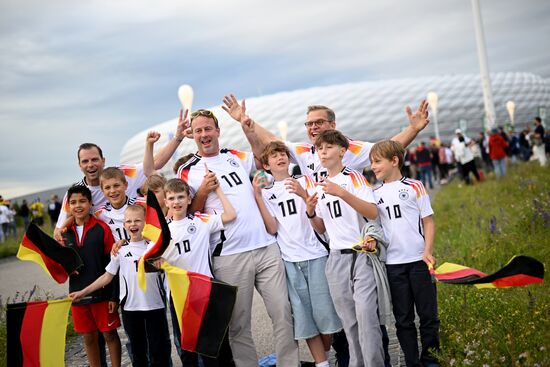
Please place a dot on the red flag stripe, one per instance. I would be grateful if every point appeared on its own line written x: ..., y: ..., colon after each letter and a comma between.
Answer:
x: 194, y: 310
x: 516, y: 281
x: 55, y: 269
x: 462, y: 273
x: 31, y: 330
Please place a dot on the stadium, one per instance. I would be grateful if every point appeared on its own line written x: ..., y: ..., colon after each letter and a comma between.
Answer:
x: 374, y: 110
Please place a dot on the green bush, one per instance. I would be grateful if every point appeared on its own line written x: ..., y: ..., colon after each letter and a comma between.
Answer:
x: 484, y: 226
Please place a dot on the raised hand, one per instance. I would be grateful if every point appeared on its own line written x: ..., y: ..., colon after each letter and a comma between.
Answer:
x: 210, y: 181
x: 184, y: 126
x: 311, y: 203
x: 294, y: 187
x: 116, y: 247
x: 331, y: 188
x: 232, y: 107
x: 419, y: 120
x: 152, y: 137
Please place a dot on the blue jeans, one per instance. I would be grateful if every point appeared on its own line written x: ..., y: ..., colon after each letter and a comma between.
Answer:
x: 426, y: 172
x: 500, y: 167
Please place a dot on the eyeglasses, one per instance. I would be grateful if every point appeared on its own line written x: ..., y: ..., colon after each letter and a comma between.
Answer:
x: 317, y: 123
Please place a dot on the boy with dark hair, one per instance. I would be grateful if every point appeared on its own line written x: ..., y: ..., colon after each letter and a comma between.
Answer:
x: 340, y: 206
x: 304, y: 257
x: 407, y: 220
x: 143, y: 313
x: 92, y: 240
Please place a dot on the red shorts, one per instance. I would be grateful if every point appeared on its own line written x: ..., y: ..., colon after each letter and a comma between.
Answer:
x: 94, y: 317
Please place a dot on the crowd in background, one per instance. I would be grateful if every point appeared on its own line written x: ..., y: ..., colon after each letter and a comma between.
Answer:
x: 474, y: 157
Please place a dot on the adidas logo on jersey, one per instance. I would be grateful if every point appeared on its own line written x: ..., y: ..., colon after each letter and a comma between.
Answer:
x: 311, y: 167
x: 323, y: 196
x: 111, y: 221
x: 381, y: 201
x: 272, y: 197
x: 129, y: 254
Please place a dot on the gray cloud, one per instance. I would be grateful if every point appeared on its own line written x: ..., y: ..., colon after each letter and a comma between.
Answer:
x: 103, y: 70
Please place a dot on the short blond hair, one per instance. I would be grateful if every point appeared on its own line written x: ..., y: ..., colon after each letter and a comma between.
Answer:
x: 153, y: 182
x: 388, y: 149
x: 135, y: 208
x: 112, y: 172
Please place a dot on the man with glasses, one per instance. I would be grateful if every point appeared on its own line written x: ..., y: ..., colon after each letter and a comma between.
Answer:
x: 243, y: 254
x: 319, y: 119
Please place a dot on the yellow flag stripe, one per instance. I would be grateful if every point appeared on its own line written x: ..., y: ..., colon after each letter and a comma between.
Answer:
x: 178, y: 282
x: 142, y: 283
x: 24, y: 253
x: 151, y: 232
x: 52, y: 336
x: 448, y: 267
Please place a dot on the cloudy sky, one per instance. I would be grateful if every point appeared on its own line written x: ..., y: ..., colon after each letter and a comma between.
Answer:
x: 101, y: 71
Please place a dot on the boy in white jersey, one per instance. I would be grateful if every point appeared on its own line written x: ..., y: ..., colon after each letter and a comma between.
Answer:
x: 407, y: 218
x: 143, y: 313
x: 114, y: 187
x: 304, y: 257
x: 340, y: 205
x: 190, y: 245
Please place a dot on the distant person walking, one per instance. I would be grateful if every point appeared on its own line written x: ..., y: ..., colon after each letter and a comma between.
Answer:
x: 424, y: 163
x: 464, y: 155
x: 54, y: 208
x: 24, y: 212
x: 497, y: 152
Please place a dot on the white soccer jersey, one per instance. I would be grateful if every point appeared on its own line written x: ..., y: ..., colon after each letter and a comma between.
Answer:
x: 295, y: 235
x: 342, y: 222
x: 132, y: 298
x: 115, y: 217
x: 189, y: 248
x: 232, y: 169
x: 306, y: 157
x: 401, y: 205
x: 134, y: 176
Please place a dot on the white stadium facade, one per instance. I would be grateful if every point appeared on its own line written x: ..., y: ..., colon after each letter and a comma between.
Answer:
x: 374, y: 110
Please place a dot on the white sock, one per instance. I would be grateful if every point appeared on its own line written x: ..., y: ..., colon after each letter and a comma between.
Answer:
x: 322, y: 364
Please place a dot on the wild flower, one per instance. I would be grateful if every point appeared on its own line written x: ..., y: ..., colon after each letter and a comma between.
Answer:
x: 493, y: 225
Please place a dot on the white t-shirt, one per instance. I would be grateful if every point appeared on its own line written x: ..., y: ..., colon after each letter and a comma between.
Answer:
x: 295, y: 235
x: 232, y: 169
x: 189, y: 248
x: 342, y: 222
x: 115, y: 217
x: 134, y: 176
x: 306, y: 157
x: 401, y: 205
x: 132, y: 298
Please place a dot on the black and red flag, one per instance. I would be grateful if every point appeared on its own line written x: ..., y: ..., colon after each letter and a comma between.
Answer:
x: 56, y: 260
x: 156, y: 230
x: 520, y: 270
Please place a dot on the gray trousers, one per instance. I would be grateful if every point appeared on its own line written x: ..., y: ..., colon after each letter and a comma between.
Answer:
x: 261, y: 268
x: 353, y: 289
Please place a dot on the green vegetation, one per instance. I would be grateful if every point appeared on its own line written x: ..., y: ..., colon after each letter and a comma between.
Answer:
x: 483, y: 227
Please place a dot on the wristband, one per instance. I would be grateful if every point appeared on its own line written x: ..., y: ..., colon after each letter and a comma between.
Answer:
x: 311, y: 216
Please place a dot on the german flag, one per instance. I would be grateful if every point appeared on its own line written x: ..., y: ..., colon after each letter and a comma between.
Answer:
x: 520, y: 270
x: 56, y: 260
x: 36, y: 333
x: 156, y: 230
x: 203, y: 306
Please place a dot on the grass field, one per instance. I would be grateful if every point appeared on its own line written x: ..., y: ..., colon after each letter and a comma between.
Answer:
x: 484, y: 226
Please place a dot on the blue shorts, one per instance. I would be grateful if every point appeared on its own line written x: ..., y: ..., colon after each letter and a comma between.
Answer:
x: 310, y: 299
